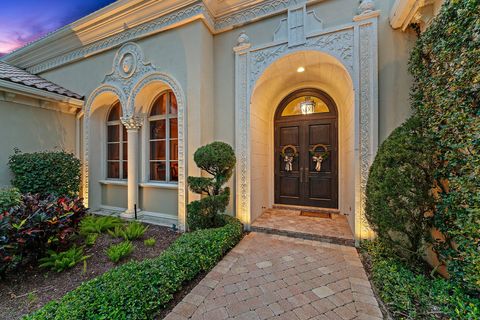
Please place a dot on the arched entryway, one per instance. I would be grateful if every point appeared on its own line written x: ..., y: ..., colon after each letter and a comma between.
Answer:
x: 306, y: 150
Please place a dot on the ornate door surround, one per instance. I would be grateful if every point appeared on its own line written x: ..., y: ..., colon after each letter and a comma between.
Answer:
x: 355, y: 45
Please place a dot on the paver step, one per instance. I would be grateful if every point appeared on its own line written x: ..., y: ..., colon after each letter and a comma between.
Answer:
x: 306, y: 236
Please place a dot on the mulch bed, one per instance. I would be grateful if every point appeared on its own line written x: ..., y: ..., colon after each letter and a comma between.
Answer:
x: 24, y: 291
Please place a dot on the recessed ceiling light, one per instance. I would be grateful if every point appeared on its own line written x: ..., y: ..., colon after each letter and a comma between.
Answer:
x: 300, y: 69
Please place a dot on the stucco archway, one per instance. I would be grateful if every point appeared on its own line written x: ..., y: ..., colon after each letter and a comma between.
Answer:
x: 324, y: 72
x: 94, y: 117
x: 142, y: 96
x: 354, y: 47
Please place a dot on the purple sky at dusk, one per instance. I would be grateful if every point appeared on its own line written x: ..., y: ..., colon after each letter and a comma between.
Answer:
x: 23, y: 21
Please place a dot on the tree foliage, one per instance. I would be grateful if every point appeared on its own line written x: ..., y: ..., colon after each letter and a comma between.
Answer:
x: 399, y: 190
x: 446, y: 70
x: 218, y: 160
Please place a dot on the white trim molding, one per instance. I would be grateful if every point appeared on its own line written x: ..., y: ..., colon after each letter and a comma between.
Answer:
x: 125, y: 21
x: 355, y: 46
x: 406, y: 12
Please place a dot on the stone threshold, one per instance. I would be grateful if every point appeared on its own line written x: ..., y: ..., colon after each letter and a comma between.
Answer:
x: 305, y: 236
x: 305, y: 208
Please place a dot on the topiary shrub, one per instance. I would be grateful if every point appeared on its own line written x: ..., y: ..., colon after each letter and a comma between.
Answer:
x: 218, y: 160
x: 446, y: 96
x: 49, y: 172
x: 399, y: 190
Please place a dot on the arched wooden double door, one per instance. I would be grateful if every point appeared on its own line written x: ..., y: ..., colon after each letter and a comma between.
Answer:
x: 306, y: 134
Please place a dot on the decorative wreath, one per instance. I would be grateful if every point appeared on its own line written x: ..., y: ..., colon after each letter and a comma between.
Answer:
x: 289, y: 146
x: 315, y: 153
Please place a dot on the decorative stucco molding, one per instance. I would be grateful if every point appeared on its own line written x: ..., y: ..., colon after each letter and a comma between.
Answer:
x: 355, y: 47
x: 43, y: 60
x: 132, y: 122
x: 130, y: 74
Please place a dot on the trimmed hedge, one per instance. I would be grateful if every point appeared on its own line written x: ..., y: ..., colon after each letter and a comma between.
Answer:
x: 446, y: 96
x: 409, y: 294
x: 138, y: 290
x: 399, y: 190
x: 48, y: 172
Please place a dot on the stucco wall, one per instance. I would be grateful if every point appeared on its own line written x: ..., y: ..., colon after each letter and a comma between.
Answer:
x: 204, y: 67
x: 32, y: 129
x: 186, y: 54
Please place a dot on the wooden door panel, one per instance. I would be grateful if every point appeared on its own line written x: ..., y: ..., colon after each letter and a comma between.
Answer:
x: 290, y: 135
x: 320, y: 134
x: 320, y: 188
x: 303, y: 185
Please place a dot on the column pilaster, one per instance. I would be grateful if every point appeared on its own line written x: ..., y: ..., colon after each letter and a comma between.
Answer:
x: 132, y: 124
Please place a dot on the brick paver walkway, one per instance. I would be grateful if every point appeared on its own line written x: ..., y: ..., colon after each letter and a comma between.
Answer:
x: 335, y: 228
x: 276, y: 277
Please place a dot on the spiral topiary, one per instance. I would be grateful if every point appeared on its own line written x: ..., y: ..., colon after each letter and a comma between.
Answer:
x: 217, y: 159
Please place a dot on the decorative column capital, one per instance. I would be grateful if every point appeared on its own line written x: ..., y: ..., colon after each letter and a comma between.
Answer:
x: 366, y: 6
x: 132, y: 122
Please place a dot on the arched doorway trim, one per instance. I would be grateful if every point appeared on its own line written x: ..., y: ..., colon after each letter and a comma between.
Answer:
x: 355, y: 47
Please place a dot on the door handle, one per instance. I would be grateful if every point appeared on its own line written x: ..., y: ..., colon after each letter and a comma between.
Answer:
x: 301, y: 175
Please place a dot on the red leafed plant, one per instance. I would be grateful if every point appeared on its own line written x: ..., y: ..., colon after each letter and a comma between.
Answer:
x: 37, y: 224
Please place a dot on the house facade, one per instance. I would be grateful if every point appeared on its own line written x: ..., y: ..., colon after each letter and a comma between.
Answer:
x: 304, y: 90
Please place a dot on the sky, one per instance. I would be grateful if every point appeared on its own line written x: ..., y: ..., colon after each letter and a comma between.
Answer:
x: 23, y: 21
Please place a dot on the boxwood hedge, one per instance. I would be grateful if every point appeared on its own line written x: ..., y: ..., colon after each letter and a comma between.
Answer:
x: 138, y: 290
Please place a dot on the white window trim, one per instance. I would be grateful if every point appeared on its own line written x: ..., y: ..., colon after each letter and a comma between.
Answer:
x: 166, y: 184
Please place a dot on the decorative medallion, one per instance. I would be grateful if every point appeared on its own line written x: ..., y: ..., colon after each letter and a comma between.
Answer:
x: 128, y: 65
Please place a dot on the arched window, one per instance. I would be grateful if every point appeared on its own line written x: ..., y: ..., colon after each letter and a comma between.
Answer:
x: 116, y: 144
x: 163, y: 138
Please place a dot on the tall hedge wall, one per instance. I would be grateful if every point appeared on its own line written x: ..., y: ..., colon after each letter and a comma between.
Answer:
x: 445, y: 64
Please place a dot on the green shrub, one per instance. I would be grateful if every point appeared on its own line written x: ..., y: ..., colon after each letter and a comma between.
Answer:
x: 63, y: 260
x: 131, y: 231
x: 138, y: 290
x: 150, y: 242
x: 118, y: 251
x: 36, y: 225
x: 399, y: 190
x: 218, y: 160
x: 52, y: 172
x: 409, y: 294
x: 9, y: 197
x: 90, y: 239
x: 98, y: 224
x: 446, y: 96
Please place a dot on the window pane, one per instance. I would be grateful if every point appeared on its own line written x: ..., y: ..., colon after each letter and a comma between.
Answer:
x: 113, y: 151
x: 173, y: 171
x: 125, y: 169
x: 174, y: 149
x: 159, y: 106
x: 158, y: 171
x: 173, y: 128
x: 157, y: 150
x: 305, y: 106
x: 113, y: 133
x: 114, y: 112
x: 125, y: 151
x: 157, y: 129
x: 173, y: 104
x: 113, y: 170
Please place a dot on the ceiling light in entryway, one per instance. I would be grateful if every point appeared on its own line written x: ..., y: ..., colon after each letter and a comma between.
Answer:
x: 300, y: 69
